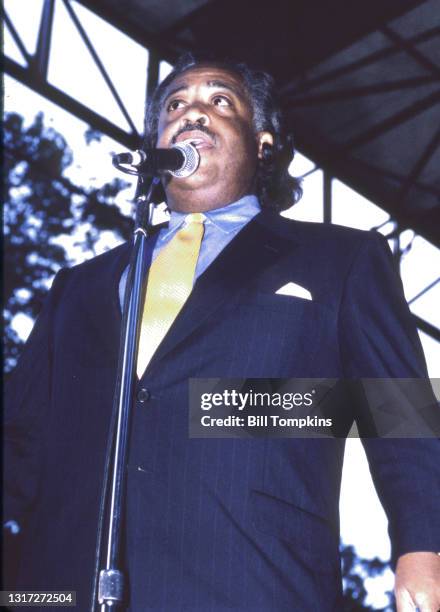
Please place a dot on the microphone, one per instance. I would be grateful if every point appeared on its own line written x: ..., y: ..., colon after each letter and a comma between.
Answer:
x: 181, y: 160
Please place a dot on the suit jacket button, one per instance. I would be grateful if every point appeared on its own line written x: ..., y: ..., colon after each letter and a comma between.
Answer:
x: 143, y: 395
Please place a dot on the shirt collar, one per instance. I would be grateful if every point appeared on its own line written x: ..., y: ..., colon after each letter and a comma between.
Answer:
x: 227, y: 218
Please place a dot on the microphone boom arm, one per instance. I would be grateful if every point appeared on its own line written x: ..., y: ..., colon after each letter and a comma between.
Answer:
x: 181, y: 160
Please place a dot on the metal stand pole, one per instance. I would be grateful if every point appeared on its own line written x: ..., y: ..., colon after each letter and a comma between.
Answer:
x: 109, y: 582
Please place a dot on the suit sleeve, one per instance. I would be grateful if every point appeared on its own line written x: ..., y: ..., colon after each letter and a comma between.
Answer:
x: 378, y: 339
x: 27, y: 397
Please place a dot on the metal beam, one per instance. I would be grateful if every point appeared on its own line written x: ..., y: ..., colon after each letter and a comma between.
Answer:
x: 97, y: 122
x: 382, y: 126
x: 134, y: 30
x: 309, y: 83
x: 358, y: 92
x: 418, y: 167
x: 408, y: 47
x: 99, y: 64
x: 427, y: 328
x: 391, y: 122
x: 327, y: 196
x: 395, y: 176
x: 15, y: 35
x: 153, y: 72
x: 425, y: 290
x: 309, y: 172
x: 426, y: 222
x: 41, y: 58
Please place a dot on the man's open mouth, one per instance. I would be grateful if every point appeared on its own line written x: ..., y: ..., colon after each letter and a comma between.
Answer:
x: 199, y: 139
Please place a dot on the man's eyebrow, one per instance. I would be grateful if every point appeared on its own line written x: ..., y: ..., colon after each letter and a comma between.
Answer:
x: 181, y: 87
x: 225, y: 85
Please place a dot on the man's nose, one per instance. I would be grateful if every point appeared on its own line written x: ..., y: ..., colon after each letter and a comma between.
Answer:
x: 196, y: 113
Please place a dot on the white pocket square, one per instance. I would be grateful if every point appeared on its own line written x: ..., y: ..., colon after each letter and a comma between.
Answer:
x: 294, y: 290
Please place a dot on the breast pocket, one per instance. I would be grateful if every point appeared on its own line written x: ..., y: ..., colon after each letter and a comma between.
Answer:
x: 283, y: 332
x: 276, y: 300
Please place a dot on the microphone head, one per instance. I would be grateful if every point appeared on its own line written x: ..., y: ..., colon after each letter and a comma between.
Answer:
x: 191, y: 162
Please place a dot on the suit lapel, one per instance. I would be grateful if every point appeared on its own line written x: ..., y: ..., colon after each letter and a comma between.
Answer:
x: 258, y: 246
x: 110, y: 310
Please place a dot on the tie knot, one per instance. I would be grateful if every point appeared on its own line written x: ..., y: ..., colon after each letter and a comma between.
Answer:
x: 195, y: 218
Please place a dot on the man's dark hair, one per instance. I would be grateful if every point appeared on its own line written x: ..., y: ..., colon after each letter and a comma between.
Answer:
x: 275, y: 187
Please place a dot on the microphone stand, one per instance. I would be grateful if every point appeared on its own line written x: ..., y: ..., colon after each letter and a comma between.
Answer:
x: 108, y: 583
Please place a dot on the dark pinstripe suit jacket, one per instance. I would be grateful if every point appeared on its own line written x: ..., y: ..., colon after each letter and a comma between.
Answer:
x: 212, y: 524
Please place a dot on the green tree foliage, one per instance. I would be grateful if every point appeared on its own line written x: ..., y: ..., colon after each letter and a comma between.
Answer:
x: 41, y: 208
x: 354, y: 572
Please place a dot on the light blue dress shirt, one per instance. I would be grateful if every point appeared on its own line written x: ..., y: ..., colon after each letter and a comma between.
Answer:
x: 221, y: 225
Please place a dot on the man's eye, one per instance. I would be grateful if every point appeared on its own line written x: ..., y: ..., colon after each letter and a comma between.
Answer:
x: 174, y: 105
x: 221, y: 101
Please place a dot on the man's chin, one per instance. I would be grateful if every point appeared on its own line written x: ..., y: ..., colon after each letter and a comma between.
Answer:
x: 202, y: 178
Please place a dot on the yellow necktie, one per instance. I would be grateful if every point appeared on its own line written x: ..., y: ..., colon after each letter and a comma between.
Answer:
x: 170, y: 281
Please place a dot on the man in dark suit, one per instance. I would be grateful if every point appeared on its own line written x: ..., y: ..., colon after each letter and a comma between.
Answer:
x: 219, y: 524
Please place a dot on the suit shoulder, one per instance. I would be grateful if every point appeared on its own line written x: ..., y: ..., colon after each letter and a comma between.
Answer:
x: 329, y: 235
x: 325, y: 230
x: 102, y: 262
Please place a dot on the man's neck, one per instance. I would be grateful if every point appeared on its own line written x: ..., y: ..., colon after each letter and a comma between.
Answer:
x: 232, y: 213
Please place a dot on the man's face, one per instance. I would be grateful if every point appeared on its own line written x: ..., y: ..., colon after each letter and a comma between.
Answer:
x: 210, y: 107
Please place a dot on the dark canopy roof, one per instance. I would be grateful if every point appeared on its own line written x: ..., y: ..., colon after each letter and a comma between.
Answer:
x: 359, y: 81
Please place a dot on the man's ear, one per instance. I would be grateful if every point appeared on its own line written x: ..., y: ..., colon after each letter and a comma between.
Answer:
x: 264, y: 138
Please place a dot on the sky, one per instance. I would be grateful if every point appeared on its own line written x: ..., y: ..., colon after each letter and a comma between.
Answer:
x: 72, y: 70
